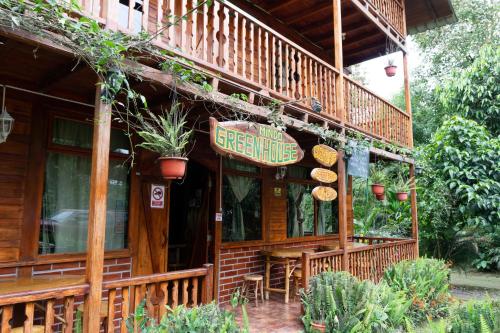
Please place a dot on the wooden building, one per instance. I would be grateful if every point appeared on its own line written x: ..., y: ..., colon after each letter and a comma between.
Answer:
x: 204, y: 234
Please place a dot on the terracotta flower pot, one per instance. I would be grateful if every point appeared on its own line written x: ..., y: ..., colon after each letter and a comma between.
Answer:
x: 390, y: 71
x: 380, y: 197
x: 378, y: 189
x: 320, y: 327
x: 173, y: 167
x: 402, y: 196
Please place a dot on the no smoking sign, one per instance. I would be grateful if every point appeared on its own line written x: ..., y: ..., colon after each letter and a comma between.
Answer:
x: 157, y: 196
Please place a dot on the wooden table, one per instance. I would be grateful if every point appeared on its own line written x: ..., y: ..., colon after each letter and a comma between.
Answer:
x: 282, y: 256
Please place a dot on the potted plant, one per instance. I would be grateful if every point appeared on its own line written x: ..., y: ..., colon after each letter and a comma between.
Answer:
x: 378, y: 178
x: 390, y: 69
x: 402, y: 187
x: 380, y: 197
x: 166, y: 135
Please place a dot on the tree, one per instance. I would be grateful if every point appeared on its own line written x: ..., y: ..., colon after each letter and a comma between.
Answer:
x: 461, y: 191
x: 474, y: 92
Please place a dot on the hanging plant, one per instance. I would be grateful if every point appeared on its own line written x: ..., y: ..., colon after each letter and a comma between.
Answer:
x: 165, y: 134
x: 391, y: 68
x: 402, y: 187
x: 378, y: 178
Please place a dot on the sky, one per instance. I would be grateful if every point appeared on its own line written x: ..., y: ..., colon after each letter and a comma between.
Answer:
x: 385, y: 86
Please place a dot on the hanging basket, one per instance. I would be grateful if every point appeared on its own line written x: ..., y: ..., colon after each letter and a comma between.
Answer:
x: 173, y: 167
x: 402, y: 196
x: 380, y: 197
x: 378, y: 189
x: 391, y: 70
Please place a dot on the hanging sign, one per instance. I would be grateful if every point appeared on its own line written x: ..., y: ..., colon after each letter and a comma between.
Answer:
x: 157, y: 196
x: 358, y: 164
x: 324, y: 175
x: 324, y: 193
x: 324, y: 155
x: 256, y: 143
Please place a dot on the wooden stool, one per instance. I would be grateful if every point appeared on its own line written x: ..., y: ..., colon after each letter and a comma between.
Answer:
x: 36, y: 329
x: 297, y: 280
x: 259, y: 285
x: 103, y: 314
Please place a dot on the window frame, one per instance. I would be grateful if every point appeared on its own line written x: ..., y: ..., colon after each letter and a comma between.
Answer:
x: 255, y: 175
x: 51, y: 147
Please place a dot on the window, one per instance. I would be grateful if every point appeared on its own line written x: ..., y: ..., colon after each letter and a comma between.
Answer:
x: 66, y: 193
x: 242, y: 213
x: 306, y: 216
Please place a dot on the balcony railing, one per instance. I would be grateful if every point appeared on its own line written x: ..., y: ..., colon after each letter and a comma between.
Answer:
x: 393, y: 12
x: 365, y: 262
x: 55, y: 309
x: 224, y: 39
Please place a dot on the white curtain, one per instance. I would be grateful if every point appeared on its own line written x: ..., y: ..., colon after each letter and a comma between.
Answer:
x: 240, y: 187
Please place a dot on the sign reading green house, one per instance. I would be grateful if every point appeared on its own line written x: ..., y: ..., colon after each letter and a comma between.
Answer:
x: 256, y: 143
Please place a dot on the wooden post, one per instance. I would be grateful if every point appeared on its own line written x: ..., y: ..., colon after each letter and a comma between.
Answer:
x: 342, y: 197
x: 414, y: 215
x: 306, y: 272
x: 217, y: 230
x: 97, y: 212
x: 339, y: 60
x: 207, y: 284
x: 408, y: 98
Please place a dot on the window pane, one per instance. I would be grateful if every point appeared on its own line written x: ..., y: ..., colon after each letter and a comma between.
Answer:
x: 79, y: 134
x: 328, y: 218
x: 300, y: 210
x: 242, y: 209
x: 66, y: 202
x: 240, y: 166
x: 298, y: 172
x: 71, y: 133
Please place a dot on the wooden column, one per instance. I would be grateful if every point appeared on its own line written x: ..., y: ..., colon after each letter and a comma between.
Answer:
x: 342, y: 196
x: 97, y: 212
x: 339, y: 61
x: 217, y: 230
x: 413, y: 202
x: 408, y: 97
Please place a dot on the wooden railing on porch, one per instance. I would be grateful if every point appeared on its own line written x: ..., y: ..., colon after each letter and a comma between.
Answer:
x: 375, y: 116
x: 54, y: 308
x: 392, y: 11
x: 367, y: 262
x: 225, y: 40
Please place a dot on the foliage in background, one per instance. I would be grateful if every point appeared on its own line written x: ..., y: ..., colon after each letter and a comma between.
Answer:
x: 346, y: 304
x: 425, y: 283
x: 470, y: 317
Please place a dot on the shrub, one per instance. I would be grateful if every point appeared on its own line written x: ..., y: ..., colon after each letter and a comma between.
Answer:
x: 425, y: 283
x: 475, y: 316
x: 345, y: 304
x: 207, y: 318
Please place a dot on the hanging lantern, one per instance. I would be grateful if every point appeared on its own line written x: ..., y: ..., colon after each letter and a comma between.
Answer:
x: 6, y: 121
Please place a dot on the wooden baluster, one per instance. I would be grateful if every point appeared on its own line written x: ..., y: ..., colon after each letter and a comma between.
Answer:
x: 111, y: 310
x: 159, y: 20
x: 210, y: 17
x: 286, y: 71
x: 29, y: 313
x: 164, y: 300
x: 251, y: 41
x: 233, y: 42
x: 130, y: 23
x: 299, y: 88
x: 169, y: 22
x: 125, y: 310
x: 280, y: 66
x: 49, y: 316
x: 274, y: 70
x: 259, y: 56
x: 6, y: 317
x: 145, y: 16
x: 267, y: 73
x: 185, y: 294
x: 223, y: 37
x: 194, y: 291
x: 69, y: 303
x: 200, y: 32
x: 175, y: 294
x: 179, y: 28
x: 151, y: 292
x: 244, y: 46
x: 188, y: 25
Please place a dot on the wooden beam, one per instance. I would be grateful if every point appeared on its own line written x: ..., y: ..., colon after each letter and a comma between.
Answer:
x: 97, y: 212
x: 304, y: 16
x: 283, y: 5
x: 339, y: 60
x: 56, y: 75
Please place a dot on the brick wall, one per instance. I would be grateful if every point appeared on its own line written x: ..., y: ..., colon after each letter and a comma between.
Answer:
x: 235, y: 263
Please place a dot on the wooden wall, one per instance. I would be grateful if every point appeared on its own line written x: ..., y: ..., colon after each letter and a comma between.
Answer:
x: 14, y: 157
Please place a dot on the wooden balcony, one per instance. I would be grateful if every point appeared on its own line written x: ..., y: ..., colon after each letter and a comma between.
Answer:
x: 225, y: 40
x: 55, y: 309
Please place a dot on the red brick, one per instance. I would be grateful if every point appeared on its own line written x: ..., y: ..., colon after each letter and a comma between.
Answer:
x: 65, y: 265
x: 119, y: 268
x: 8, y: 271
x: 39, y: 268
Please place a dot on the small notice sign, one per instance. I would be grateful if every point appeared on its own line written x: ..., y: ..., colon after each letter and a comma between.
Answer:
x: 157, y: 196
x: 218, y: 217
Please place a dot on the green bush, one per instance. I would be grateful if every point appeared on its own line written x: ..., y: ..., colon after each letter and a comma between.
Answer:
x: 425, y: 283
x: 207, y: 318
x: 345, y: 304
x: 476, y: 316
